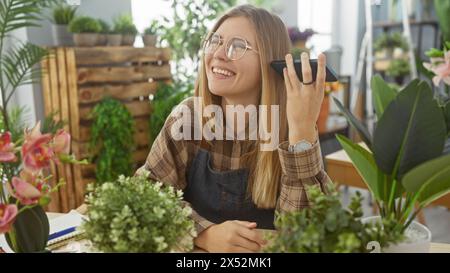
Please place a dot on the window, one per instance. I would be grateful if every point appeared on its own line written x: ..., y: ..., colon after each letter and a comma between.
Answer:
x: 318, y: 16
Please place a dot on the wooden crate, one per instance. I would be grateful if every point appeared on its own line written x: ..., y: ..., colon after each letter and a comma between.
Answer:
x: 75, y: 80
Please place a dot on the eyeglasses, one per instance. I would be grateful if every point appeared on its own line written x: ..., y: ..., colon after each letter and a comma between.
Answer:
x: 235, y: 47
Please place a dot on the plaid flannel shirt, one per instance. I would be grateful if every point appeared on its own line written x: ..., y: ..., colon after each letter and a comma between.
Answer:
x: 169, y: 161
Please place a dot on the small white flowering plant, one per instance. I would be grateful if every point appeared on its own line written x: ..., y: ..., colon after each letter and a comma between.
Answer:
x: 135, y: 214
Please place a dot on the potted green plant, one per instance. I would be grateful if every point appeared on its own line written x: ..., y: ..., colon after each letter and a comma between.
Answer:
x: 114, y: 38
x: 389, y: 46
x: 150, y: 34
x: 328, y: 227
x: 124, y: 25
x: 103, y: 34
x: 62, y: 16
x: 398, y: 69
x: 134, y: 214
x: 85, y: 30
x: 403, y: 165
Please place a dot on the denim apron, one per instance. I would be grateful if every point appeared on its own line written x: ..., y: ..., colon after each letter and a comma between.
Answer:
x: 221, y: 196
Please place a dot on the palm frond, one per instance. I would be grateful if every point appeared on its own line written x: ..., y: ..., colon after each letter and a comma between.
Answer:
x: 15, y: 14
x: 19, y: 65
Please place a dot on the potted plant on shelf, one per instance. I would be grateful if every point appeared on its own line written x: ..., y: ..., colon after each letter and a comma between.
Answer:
x: 403, y: 164
x: 124, y: 25
x: 103, y: 34
x: 398, y: 69
x: 150, y: 34
x: 114, y: 38
x: 389, y: 46
x: 85, y: 30
x: 62, y: 16
x: 299, y: 38
x: 327, y: 227
x: 133, y: 214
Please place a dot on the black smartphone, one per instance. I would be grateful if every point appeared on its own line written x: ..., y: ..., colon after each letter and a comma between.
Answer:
x: 279, y: 65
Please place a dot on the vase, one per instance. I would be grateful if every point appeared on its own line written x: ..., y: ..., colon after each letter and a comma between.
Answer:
x: 323, y: 115
x: 418, y: 238
x: 62, y: 36
x: 85, y: 39
x: 128, y: 39
x: 149, y: 40
x: 29, y: 232
x: 114, y: 39
x: 300, y: 44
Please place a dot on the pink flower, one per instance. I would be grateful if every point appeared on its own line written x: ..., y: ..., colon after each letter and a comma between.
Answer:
x: 36, y: 151
x: 441, y: 68
x: 7, y: 215
x: 26, y: 193
x: 61, y: 142
x: 6, y: 148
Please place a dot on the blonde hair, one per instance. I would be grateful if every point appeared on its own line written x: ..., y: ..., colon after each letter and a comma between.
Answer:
x: 272, y: 42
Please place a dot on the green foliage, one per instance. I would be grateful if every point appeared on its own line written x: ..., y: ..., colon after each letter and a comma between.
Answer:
x: 134, y: 214
x: 165, y: 99
x: 105, y: 27
x: 442, y: 8
x: 84, y: 24
x: 153, y: 29
x: 112, y: 140
x: 405, y: 159
x: 63, y: 14
x: 391, y: 41
x: 186, y: 27
x: 327, y: 227
x: 124, y: 25
x: 398, y: 68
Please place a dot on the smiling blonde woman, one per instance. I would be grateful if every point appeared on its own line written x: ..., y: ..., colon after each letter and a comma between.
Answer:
x: 233, y: 187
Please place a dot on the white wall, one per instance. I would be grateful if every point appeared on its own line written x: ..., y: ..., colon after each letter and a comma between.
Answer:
x: 345, y: 33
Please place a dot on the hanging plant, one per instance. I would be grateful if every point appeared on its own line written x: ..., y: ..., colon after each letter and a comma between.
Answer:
x: 112, y: 141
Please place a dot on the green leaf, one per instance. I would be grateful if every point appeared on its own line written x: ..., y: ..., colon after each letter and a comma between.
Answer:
x: 19, y: 64
x: 442, y: 8
x: 411, y: 131
x: 364, y: 163
x: 362, y: 130
x: 382, y: 93
x: 431, y: 179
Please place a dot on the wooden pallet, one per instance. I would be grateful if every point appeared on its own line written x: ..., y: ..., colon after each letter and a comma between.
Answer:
x: 75, y: 80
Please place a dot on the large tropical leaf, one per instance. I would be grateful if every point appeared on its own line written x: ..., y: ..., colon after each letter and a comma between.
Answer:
x: 15, y: 14
x: 446, y: 111
x: 364, y: 163
x: 382, y: 94
x: 442, y: 8
x: 19, y: 64
x: 355, y: 123
x: 411, y: 131
x: 431, y: 179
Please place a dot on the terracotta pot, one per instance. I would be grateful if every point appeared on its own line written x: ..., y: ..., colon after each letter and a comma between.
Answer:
x: 323, y: 115
x: 114, y: 39
x: 300, y: 44
x: 85, y: 39
x: 128, y: 39
x: 149, y: 40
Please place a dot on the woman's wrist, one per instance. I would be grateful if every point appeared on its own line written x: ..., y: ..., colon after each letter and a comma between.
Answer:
x: 306, y: 132
x: 202, y: 238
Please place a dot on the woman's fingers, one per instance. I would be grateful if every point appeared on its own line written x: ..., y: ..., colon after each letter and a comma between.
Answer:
x: 253, y: 235
x: 246, y: 243
x: 293, y: 79
x: 246, y: 224
x: 321, y: 72
x: 306, y: 68
x: 286, y: 80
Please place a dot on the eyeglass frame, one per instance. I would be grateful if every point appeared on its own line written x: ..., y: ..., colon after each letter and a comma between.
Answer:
x: 222, y: 42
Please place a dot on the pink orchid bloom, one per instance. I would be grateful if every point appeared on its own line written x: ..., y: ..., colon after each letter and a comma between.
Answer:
x: 441, y: 68
x: 36, y: 151
x: 8, y: 214
x: 26, y: 193
x: 6, y: 148
x: 61, y: 142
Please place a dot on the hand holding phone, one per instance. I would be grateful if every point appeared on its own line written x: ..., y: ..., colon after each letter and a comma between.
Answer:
x: 279, y: 65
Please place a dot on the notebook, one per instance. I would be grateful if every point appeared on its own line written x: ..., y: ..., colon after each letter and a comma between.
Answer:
x: 64, y: 229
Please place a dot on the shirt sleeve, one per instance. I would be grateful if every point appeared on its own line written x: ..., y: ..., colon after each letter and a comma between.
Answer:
x: 167, y: 162
x: 300, y: 169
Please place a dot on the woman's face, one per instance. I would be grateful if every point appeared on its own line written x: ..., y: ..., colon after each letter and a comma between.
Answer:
x: 234, y: 79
